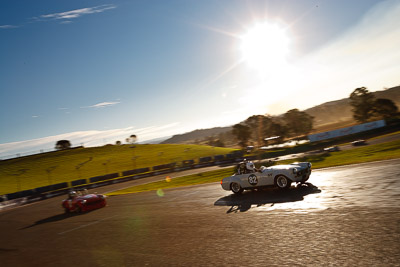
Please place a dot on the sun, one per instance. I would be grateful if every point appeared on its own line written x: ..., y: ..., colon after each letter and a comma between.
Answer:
x: 265, y: 47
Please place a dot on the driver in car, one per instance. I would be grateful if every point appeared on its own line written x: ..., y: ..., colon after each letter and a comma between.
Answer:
x: 246, y: 167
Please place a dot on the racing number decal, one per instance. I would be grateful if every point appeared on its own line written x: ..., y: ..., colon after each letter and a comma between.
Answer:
x: 253, y: 179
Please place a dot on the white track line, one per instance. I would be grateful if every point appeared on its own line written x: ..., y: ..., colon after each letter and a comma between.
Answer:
x: 85, y: 225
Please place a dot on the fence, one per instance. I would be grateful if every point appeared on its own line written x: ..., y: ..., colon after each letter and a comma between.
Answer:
x: 346, y: 131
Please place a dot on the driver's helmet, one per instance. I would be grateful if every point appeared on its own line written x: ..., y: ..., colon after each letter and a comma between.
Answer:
x: 72, y: 194
x: 250, y: 166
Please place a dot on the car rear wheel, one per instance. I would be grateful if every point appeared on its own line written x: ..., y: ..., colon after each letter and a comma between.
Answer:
x: 282, y: 182
x: 236, y: 188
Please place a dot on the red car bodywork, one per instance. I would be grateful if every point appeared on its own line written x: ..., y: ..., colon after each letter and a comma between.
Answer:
x: 84, y: 203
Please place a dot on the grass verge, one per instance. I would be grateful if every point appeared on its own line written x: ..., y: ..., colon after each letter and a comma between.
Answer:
x: 390, y: 150
x: 68, y: 165
x: 198, y: 178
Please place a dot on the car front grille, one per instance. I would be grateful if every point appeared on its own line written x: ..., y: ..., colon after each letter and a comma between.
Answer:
x: 303, y: 172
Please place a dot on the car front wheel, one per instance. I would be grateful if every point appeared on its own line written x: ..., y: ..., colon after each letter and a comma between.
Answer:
x: 78, y: 209
x: 236, y: 188
x: 282, y: 182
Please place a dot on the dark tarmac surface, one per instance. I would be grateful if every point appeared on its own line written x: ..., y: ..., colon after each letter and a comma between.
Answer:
x: 348, y: 216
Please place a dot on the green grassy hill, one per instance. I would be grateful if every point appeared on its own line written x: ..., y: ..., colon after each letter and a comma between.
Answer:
x: 68, y: 165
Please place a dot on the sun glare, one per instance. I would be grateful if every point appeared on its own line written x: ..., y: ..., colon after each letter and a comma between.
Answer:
x: 265, y: 47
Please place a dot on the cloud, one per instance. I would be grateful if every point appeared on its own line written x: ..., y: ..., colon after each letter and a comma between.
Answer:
x: 87, y: 138
x: 367, y: 54
x: 8, y: 26
x: 76, y: 13
x: 65, y: 17
x: 103, y: 105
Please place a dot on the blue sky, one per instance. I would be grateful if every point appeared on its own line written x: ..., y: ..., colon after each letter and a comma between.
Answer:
x: 95, y: 72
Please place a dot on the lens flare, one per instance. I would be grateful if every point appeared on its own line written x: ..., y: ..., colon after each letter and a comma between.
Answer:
x: 160, y: 193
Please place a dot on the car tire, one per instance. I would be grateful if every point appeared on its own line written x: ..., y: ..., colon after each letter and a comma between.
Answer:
x: 78, y: 209
x: 236, y: 188
x: 66, y: 210
x: 282, y: 182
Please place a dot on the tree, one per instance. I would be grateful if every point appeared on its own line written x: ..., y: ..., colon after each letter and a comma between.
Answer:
x: 131, y: 139
x: 298, y: 122
x: 219, y: 143
x: 363, y: 103
x: 118, y: 143
x: 63, y: 144
x: 274, y: 128
x: 242, y: 134
x: 212, y: 141
x: 226, y: 138
x: 255, y: 123
x: 385, y: 108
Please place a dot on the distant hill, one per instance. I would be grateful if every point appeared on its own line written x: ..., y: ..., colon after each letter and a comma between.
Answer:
x: 155, y: 140
x: 337, y: 114
x: 196, y: 135
x: 327, y: 116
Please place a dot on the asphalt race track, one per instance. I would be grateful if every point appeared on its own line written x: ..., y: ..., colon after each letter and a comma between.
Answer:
x: 347, y: 216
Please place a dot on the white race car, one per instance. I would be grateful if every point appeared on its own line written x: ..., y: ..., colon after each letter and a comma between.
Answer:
x: 281, y: 176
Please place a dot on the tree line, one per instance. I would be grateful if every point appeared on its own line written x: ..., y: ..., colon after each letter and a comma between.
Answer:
x: 366, y: 107
x: 256, y: 129
x: 260, y: 129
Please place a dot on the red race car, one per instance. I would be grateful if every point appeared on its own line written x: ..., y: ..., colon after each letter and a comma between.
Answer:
x: 77, y: 202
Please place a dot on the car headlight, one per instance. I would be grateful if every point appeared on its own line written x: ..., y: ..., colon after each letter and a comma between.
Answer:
x: 83, y: 201
x: 295, y: 171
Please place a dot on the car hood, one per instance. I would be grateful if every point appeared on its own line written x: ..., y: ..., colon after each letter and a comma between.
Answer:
x: 286, y: 167
x: 88, y: 197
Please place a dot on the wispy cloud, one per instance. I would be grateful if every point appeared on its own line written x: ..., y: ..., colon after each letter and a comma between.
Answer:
x: 76, y: 13
x: 65, y: 17
x: 8, y: 26
x: 103, y: 105
x: 366, y: 55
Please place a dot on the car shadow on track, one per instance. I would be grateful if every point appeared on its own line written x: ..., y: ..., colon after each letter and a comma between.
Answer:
x: 265, y: 196
x: 55, y: 218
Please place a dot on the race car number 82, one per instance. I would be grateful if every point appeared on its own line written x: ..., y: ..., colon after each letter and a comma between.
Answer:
x: 253, y: 179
